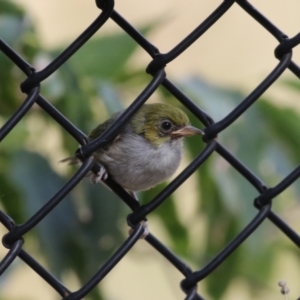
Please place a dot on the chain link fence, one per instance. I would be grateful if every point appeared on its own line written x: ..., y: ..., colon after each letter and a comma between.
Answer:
x: 31, y: 86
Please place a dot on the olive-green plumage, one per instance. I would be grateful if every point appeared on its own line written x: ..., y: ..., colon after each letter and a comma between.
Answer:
x: 147, y: 120
x: 147, y: 150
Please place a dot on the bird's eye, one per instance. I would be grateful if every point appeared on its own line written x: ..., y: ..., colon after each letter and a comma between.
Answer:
x: 166, y: 126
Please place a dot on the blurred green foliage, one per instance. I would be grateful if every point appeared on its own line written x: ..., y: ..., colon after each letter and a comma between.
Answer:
x: 83, y: 231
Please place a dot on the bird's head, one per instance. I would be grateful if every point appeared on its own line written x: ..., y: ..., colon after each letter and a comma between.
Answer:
x: 161, y: 123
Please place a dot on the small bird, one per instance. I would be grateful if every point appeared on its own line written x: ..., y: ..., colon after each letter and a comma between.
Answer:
x: 147, y: 150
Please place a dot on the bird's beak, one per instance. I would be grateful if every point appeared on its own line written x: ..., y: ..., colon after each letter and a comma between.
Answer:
x: 187, y: 131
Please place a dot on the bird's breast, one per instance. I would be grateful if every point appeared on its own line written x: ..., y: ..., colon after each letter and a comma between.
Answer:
x: 136, y: 164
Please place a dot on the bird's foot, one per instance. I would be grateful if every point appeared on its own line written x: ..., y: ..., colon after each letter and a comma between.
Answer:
x: 133, y: 195
x: 101, y: 175
x: 145, y: 227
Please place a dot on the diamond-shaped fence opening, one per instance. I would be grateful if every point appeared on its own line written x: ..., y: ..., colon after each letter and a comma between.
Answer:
x: 14, y: 240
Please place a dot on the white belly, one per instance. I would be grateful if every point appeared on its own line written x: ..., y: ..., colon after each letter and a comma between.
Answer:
x: 137, y: 165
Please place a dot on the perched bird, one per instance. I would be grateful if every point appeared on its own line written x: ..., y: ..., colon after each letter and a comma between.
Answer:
x: 148, y: 149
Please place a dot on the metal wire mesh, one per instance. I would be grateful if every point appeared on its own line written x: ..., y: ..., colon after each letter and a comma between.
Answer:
x: 31, y: 86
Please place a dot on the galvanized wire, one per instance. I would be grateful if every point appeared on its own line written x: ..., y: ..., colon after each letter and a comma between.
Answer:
x: 14, y: 241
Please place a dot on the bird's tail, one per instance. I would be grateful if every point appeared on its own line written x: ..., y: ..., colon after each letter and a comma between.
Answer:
x: 73, y: 160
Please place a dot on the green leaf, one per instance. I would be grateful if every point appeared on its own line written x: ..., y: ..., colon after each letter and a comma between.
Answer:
x: 11, y: 28
x: 17, y: 31
x: 292, y: 84
x: 81, y: 244
x: 37, y: 183
x: 10, y: 7
x: 103, y: 212
x: 10, y: 197
x: 110, y: 97
x: 265, y: 140
x: 283, y: 123
x: 169, y: 216
x: 104, y: 57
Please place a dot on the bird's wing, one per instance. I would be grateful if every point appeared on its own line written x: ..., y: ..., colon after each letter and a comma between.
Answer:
x: 96, y: 132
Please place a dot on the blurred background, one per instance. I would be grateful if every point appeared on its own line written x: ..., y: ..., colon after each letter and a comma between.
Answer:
x: 210, y: 208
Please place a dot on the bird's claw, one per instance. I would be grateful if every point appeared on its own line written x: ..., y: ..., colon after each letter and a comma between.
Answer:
x: 145, y: 227
x: 101, y: 175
